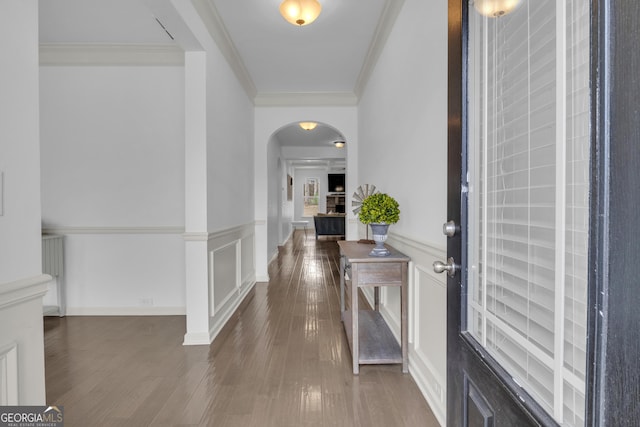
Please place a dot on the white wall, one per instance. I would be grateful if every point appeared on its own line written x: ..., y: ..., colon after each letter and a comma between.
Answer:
x: 403, y: 150
x: 287, y: 212
x: 113, y: 183
x: 230, y: 118
x: 274, y: 167
x: 21, y: 281
x: 19, y: 146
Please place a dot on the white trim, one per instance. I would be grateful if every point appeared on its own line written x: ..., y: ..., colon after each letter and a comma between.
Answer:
x: 62, y: 230
x: 9, y: 389
x: 239, y: 263
x: 218, y: 32
x: 100, y: 54
x: 237, y: 233
x: 202, y: 236
x: 226, y: 311
x: 425, y: 247
x: 387, y: 21
x: 433, y: 390
x: 244, y: 230
x: 279, y: 99
x: 196, y: 338
x: 22, y: 290
x: 211, y: 288
x: 126, y: 311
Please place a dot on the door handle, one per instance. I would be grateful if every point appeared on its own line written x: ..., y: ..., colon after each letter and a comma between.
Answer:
x: 450, y: 267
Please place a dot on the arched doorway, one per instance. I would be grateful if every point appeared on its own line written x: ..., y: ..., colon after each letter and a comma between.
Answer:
x: 300, y: 164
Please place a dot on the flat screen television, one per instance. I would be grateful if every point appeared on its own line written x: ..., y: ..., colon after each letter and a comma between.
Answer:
x: 336, y: 183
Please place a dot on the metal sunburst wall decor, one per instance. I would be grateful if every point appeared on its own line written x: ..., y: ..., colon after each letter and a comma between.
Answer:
x: 362, y: 193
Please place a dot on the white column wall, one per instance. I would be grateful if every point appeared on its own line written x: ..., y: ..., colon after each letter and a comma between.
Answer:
x: 219, y: 203
x: 21, y: 282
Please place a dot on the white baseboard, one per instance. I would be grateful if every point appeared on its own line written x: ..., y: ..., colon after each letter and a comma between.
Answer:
x: 196, y: 338
x: 425, y: 377
x: 126, y: 311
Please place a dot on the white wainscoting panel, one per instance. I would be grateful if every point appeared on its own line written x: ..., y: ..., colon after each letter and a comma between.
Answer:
x: 247, y: 260
x: 223, y: 275
x: 427, y: 320
x: 9, y: 375
x: 430, y: 338
x: 22, y: 341
x: 231, y: 273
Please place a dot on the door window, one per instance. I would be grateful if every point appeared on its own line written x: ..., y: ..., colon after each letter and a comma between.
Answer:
x: 529, y: 136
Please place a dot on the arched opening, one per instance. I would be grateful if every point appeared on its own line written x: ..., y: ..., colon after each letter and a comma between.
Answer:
x: 303, y: 168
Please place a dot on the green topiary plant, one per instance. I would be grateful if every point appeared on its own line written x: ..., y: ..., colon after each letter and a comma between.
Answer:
x: 379, y: 208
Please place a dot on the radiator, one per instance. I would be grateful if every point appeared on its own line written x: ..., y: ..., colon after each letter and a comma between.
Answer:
x: 53, y: 264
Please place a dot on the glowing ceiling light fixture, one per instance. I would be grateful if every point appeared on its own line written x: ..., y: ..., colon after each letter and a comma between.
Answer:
x: 339, y: 144
x: 308, y: 125
x: 495, y: 8
x: 300, y: 12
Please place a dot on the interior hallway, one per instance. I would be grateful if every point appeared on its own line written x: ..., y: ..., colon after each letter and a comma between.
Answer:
x: 282, y: 360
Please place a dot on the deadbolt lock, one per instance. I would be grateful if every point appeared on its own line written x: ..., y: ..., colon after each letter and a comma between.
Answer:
x: 449, y: 228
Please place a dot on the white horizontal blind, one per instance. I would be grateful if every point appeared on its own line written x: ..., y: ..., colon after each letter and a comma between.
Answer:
x: 529, y: 163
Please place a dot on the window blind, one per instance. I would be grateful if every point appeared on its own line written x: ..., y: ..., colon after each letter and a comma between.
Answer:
x: 528, y: 195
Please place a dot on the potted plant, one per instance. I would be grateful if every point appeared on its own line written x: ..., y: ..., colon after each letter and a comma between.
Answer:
x: 379, y: 211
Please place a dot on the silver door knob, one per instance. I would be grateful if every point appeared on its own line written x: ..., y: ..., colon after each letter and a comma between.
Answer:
x: 449, y: 228
x: 450, y: 267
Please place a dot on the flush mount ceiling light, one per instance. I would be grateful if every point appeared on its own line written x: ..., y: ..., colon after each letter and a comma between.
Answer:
x: 495, y: 8
x: 308, y: 125
x: 300, y: 12
x: 339, y: 144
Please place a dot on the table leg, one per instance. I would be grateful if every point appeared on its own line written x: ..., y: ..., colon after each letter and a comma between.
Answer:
x: 342, y: 266
x: 355, y: 345
x: 376, y: 298
x: 404, y: 293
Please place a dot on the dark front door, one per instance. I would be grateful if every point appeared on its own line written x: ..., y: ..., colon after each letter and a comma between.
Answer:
x: 519, y: 159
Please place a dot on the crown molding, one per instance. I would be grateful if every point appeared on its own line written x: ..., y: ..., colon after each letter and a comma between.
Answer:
x: 385, y: 25
x: 216, y: 28
x: 304, y: 99
x: 94, y: 54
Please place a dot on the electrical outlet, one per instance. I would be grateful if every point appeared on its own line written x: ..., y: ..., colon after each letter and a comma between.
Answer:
x: 146, y: 302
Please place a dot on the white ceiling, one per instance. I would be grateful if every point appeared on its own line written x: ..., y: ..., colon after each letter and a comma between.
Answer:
x: 332, y: 55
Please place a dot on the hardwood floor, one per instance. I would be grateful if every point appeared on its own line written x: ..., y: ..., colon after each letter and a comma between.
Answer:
x: 282, y: 360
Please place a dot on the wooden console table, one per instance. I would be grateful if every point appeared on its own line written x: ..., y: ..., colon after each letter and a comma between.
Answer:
x: 369, y: 337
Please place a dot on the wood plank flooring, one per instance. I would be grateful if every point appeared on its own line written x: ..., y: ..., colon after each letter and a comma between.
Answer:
x: 282, y: 360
